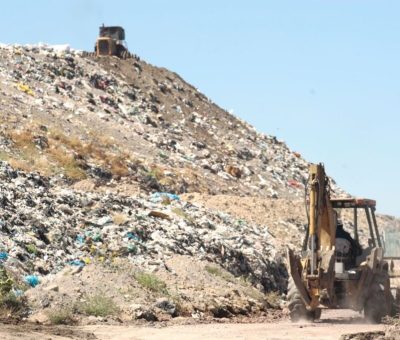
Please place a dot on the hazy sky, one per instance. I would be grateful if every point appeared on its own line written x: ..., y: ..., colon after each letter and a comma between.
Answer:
x: 322, y: 75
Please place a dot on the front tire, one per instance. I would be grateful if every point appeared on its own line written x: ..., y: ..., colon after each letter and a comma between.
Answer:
x: 297, y: 308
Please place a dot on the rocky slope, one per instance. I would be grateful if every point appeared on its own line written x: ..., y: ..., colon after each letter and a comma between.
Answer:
x: 118, y: 178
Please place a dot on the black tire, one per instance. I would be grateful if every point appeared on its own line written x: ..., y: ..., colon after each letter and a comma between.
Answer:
x: 297, y: 309
x: 379, y: 302
x: 317, y: 314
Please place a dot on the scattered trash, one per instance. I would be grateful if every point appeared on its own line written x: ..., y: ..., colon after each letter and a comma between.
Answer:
x: 132, y: 236
x: 96, y: 237
x: 294, y: 184
x: 87, y: 260
x: 104, y: 221
x: 25, y: 88
x: 3, y: 257
x: 18, y: 292
x: 132, y: 249
x: 159, y: 214
x: 159, y: 196
x: 32, y: 280
x: 80, y: 239
x: 199, y: 148
x: 77, y: 263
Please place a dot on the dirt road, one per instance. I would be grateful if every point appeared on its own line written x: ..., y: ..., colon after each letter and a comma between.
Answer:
x: 332, y: 325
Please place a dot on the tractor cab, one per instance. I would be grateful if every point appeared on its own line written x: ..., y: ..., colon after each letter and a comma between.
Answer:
x: 113, y: 32
x: 348, y: 250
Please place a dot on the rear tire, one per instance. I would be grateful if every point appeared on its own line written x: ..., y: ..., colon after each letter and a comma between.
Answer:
x: 297, y: 308
x: 379, y: 301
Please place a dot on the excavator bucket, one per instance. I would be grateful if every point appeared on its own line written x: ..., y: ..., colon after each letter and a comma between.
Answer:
x: 295, y: 269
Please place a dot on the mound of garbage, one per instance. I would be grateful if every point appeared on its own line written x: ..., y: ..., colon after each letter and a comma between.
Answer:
x: 119, y: 169
x: 45, y: 228
x: 149, y: 113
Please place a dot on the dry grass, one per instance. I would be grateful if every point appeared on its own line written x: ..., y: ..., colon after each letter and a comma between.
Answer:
x: 67, y: 163
x: 60, y: 316
x: 4, y: 156
x: 152, y: 283
x: 23, y: 139
x: 28, y: 157
x: 12, y: 305
x: 219, y: 272
x: 63, y: 151
x: 118, y: 166
x: 19, y: 164
x: 98, y: 148
x: 98, y: 305
x: 156, y: 172
x: 273, y: 299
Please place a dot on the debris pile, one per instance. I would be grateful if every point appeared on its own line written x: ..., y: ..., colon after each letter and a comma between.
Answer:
x: 45, y: 228
x: 96, y: 155
x: 152, y: 114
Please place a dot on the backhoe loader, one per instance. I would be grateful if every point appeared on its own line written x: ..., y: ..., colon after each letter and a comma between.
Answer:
x: 333, y: 270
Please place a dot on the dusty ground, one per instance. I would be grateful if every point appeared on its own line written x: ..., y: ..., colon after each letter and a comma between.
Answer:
x: 333, y: 324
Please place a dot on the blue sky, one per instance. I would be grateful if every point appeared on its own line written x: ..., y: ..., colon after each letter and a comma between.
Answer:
x: 322, y: 75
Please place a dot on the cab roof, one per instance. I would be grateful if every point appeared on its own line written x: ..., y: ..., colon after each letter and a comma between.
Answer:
x: 353, y: 203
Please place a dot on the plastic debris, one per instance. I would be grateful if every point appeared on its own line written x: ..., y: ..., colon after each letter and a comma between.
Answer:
x: 18, y: 292
x: 159, y: 196
x: 132, y: 236
x: 132, y: 249
x: 87, y: 260
x: 77, y: 263
x: 25, y: 88
x: 32, y: 280
x: 80, y: 239
x: 3, y: 257
x: 294, y: 184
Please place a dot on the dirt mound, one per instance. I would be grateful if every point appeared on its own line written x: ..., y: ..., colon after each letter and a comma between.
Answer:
x: 124, y: 292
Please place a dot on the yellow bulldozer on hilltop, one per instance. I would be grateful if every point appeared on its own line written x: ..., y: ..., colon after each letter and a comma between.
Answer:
x: 111, y: 42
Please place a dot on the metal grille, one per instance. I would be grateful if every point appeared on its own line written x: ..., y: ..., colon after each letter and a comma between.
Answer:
x: 103, y: 47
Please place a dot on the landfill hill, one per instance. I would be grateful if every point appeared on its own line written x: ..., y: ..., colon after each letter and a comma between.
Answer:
x: 123, y: 187
x: 126, y: 120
